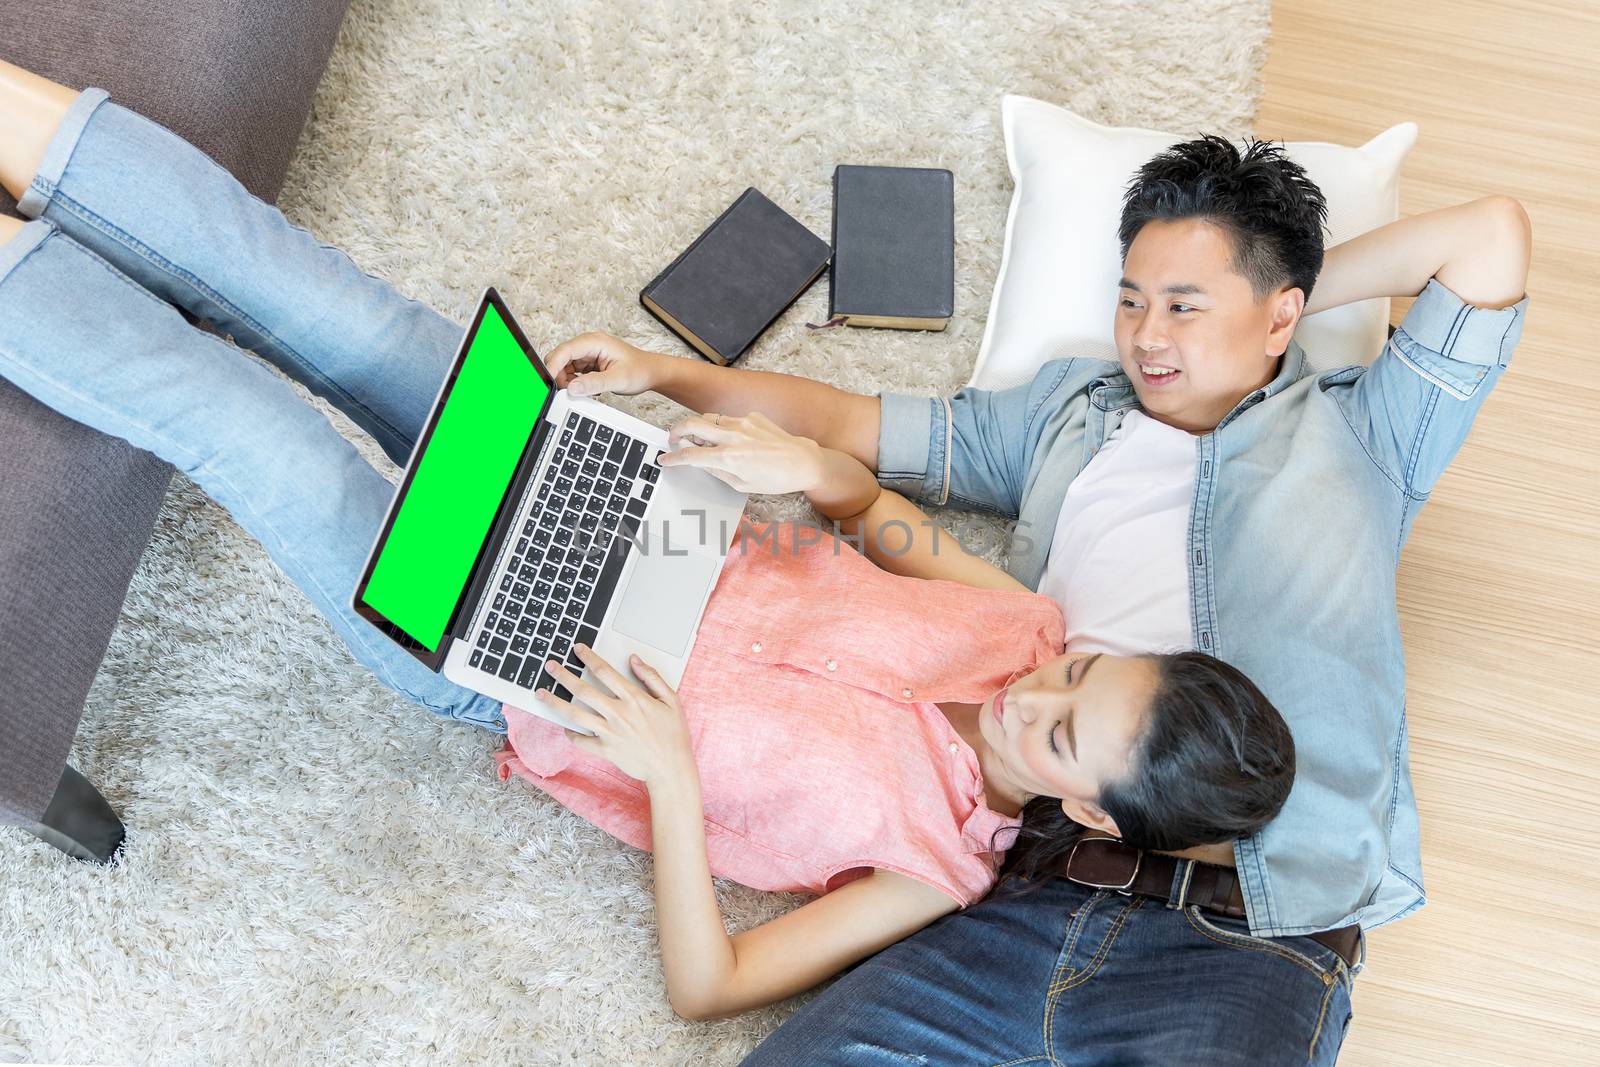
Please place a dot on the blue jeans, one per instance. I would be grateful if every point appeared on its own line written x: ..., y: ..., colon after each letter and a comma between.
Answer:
x: 1072, y: 975
x: 132, y: 223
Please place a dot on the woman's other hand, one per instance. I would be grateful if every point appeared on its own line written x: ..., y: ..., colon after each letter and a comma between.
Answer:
x: 596, y: 362
x: 637, y: 727
x: 750, y: 452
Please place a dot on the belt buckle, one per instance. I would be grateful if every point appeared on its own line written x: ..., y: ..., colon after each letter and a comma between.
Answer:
x: 1125, y: 887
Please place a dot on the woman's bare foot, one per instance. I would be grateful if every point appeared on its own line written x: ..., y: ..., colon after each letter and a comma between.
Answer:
x: 31, y: 108
x: 9, y: 228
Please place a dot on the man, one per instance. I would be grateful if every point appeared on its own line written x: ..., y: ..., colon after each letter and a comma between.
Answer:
x: 1212, y: 492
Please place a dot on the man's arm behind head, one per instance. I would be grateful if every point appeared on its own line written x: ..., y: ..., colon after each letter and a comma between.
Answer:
x: 1478, y: 250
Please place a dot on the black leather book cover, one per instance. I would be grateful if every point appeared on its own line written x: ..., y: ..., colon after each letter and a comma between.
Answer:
x: 736, y: 278
x: 894, y: 233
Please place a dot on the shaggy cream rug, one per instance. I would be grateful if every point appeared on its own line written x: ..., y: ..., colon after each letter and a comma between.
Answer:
x: 317, y: 871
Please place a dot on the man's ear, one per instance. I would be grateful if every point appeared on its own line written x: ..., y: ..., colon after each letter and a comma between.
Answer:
x: 1286, y: 308
x: 1092, y: 816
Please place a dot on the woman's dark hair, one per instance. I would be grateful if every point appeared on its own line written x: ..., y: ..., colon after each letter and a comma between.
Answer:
x: 1215, y: 762
x: 1262, y: 199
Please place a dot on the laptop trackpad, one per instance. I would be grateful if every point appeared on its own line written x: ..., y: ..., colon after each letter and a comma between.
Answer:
x: 663, y: 597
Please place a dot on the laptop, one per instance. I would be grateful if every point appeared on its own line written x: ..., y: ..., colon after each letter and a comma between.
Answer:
x: 530, y: 520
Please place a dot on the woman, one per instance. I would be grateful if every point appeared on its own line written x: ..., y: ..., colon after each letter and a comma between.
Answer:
x: 877, y: 730
x: 131, y: 224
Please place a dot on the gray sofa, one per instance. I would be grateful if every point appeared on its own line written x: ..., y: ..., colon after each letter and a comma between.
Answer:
x: 236, y: 78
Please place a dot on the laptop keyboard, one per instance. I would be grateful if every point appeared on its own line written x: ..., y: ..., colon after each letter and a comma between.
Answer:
x: 569, y: 553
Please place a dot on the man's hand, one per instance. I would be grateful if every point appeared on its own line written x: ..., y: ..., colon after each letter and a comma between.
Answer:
x: 596, y: 362
x: 750, y: 452
x: 639, y: 729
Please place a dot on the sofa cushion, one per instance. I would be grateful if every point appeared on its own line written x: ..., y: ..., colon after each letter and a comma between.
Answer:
x: 234, y: 77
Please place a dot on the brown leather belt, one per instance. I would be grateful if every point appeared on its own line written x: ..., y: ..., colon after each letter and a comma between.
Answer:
x: 1106, y: 863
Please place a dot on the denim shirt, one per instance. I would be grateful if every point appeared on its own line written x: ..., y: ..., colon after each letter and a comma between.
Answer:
x: 1303, y: 497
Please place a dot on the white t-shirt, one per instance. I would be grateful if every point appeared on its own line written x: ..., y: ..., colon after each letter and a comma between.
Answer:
x: 1118, y: 561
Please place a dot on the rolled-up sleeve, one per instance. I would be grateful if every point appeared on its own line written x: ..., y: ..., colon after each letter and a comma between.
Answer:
x: 1414, y: 406
x: 914, y: 431
x: 1454, y: 344
x: 968, y: 451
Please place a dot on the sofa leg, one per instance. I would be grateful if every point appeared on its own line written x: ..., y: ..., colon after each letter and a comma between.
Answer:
x: 79, y: 821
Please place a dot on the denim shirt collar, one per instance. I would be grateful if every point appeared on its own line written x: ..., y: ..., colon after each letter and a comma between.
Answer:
x: 1291, y: 368
x: 1112, y: 392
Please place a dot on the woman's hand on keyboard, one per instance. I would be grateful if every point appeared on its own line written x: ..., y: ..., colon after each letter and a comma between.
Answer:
x: 638, y: 726
x: 596, y: 362
x: 750, y: 452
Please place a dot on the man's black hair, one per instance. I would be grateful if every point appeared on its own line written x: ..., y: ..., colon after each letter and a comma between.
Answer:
x: 1262, y: 199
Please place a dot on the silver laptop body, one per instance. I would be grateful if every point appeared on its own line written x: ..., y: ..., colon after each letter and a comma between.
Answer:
x: 600, y: 545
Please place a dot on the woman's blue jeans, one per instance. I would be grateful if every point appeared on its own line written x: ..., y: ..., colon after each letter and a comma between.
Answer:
x: 132, y: 223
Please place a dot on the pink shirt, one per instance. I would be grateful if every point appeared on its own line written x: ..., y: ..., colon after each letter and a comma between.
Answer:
x: 810, y: 697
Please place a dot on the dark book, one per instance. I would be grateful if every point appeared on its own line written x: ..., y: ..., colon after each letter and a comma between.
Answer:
x: 736, y: 278
x: 894, y: 247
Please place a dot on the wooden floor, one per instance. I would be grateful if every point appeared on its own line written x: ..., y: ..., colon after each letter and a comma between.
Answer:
x: 1499, y: 587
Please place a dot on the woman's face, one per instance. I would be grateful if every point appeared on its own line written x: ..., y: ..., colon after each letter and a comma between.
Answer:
x: 1069, y: 727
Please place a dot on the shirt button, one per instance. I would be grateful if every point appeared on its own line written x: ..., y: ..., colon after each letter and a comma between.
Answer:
x: 906, y: 693
x: 832, y: 665
x: 954, y: 748
x: 756, y: 647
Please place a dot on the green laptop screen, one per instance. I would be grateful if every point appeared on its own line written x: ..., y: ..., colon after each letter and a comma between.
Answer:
x: 458, y: 485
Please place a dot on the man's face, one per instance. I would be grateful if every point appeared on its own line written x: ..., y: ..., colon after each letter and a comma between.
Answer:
x: 1191, y: 335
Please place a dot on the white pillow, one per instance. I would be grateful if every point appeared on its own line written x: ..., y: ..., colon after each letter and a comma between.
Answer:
x: 1057, y: 290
